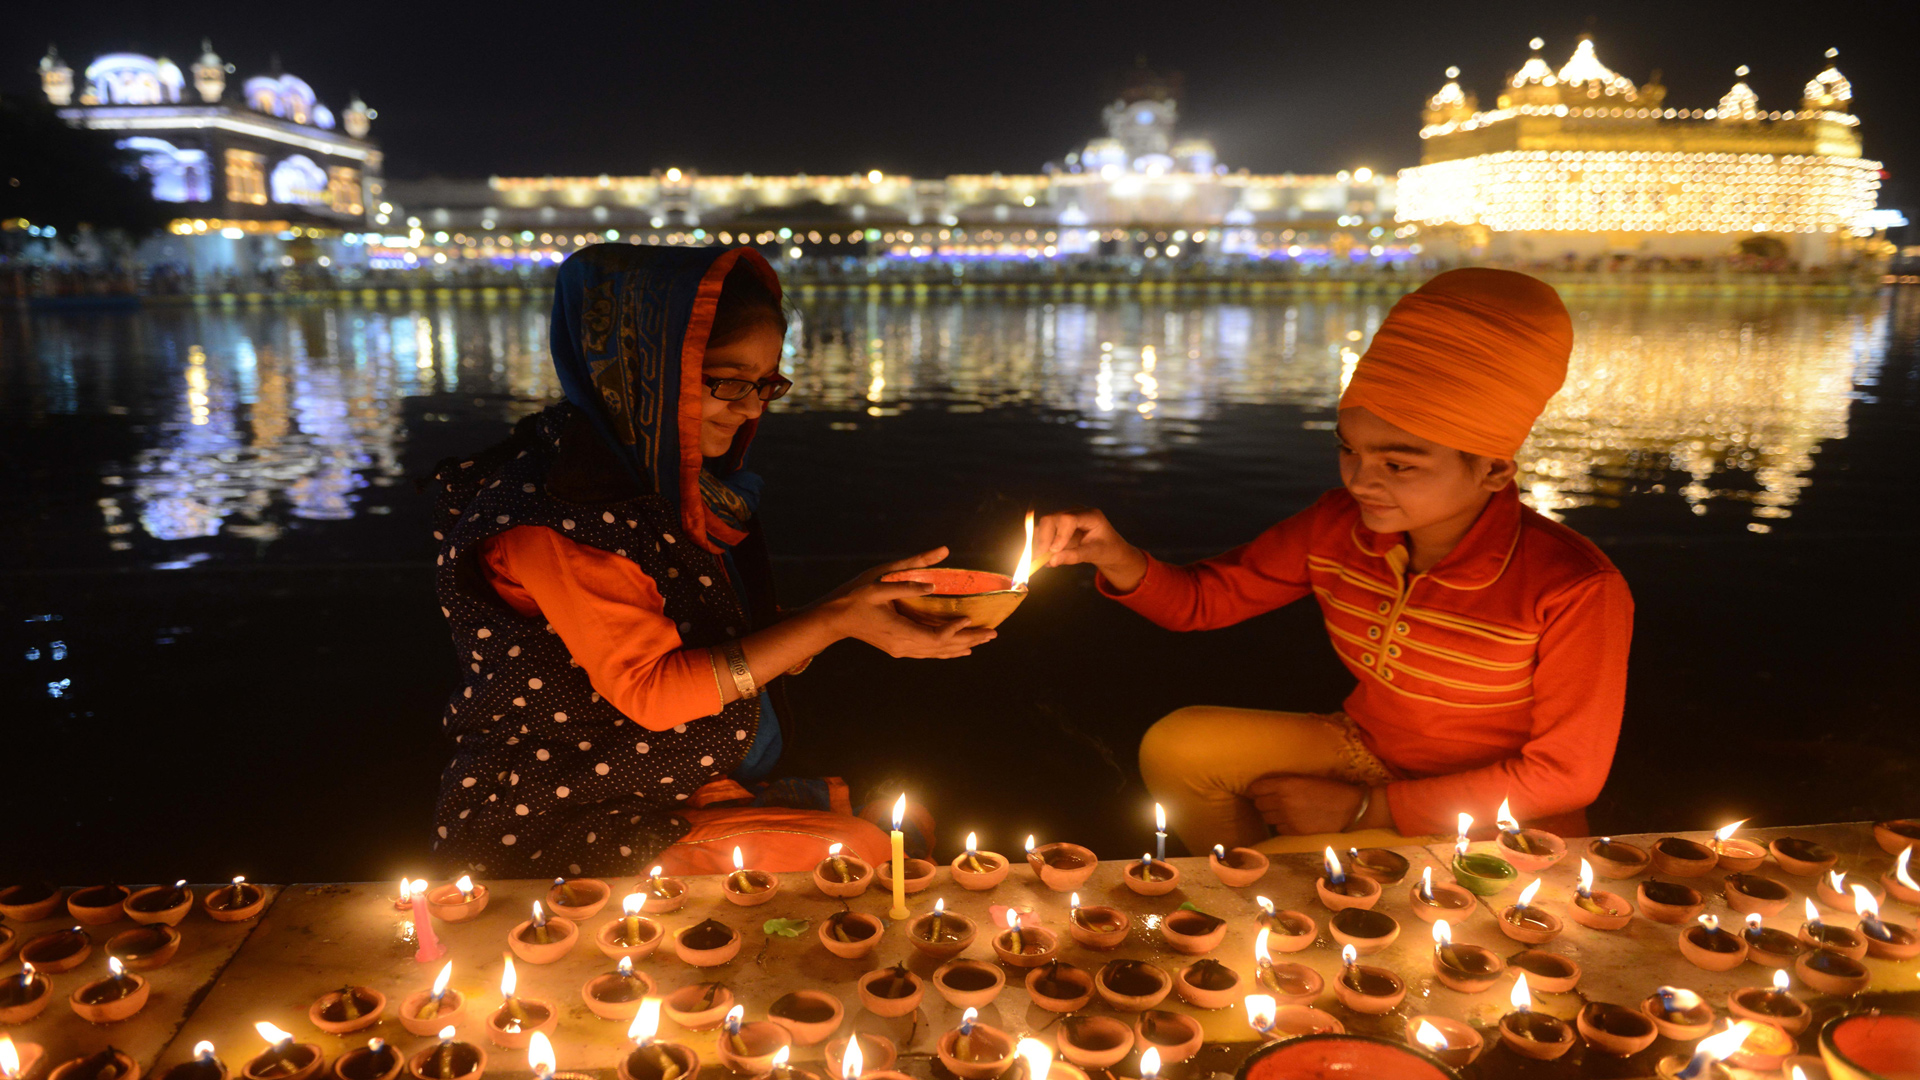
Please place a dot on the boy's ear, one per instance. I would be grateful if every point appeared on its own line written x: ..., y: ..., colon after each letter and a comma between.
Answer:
x: 1497, y: 473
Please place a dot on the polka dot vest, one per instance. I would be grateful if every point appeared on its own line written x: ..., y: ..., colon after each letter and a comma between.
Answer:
x: 547, y: 777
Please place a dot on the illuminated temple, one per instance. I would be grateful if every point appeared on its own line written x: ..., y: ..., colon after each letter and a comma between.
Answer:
x: 1579, y: 161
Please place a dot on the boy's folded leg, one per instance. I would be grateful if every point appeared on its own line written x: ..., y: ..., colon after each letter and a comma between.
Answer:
x: 1341, y: 841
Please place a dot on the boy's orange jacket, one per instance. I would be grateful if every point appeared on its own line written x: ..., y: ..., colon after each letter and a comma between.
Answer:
x: 1499, y: 672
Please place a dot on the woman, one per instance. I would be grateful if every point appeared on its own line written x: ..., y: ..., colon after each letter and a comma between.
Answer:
x: 610, y: 596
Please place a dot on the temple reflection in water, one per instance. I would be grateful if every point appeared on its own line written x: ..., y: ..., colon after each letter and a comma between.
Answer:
x: 259, y: 418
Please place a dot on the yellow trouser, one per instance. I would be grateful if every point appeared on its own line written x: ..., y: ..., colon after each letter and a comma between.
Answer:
x: 1199, y: 762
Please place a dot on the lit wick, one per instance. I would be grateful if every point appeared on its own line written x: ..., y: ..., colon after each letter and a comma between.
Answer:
x: 1443, y: 944
x: 1724, y: 834
x: 275, y: 1062
x: 540, y: 1056
x: 630, y: 905
x: 1015, y: 939
x: 1430, y: 1037
x: 970, y: 861
x: 516, y: 1015
x: 443, y: 1054
x: 1262, y: 958
x: 1160, y: 832
x: 540, y: 934
x: 1522, y: 914
x: 1261, y: 1010
x: 1713, y: 1049
x: 377, y: 1053
x: 838, y: 864
x: 1753, y: 928
x: 780, y: 1058
x: 734, y: 1016
x: 465, y: 885
x: 1814, y: 928
x: 9, y: 1059
x: 406, y: 893
x: 432, y: 1008
x: 238, y: 896
x: 646, y: 1024
x: 1466, y: 826
x: 1868, y: 909
x: 898, y: 840
x: 939, y: 931
x: 1150, y: 1064
x: 853, y: 1063
x: 741, y: 880
x: 22, y: 988
x: 1147, y: 868
x: 1036, y: 1054
x: 1349, y: 966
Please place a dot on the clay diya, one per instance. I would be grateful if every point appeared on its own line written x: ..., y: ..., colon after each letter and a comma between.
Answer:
x: 859, y: 1055
x: 1531, y: 1034
x: 543, y: 938
x: 1597, y: 910
x: 1526, y: 922
x: 1678, y: 1014
x: 1450, y: 1040
x: 751, y: 1049
x: 1469, y: 969
x: 1384, y: 865
x: 1547, y: 973
x: 651, y: 1059
x: 1900, y: 882
x: 1299, y: 1021
x: 1096, y: 926
x: 707, y: 943
x: 448, y: 1059
x: 1132, y: 985
x: 29, y: 903
x: 1737, y: 856
x: 1707, y: 946
x: 1836, y: 891
x: 1094, y: 1042
x: 237, y: 902
x: 108, y: 1064
x: 1615, y: 1029
x: 748, y: 888
x: 374, y: 1061
x: 919, y: 875
x: 1289, y: 984
x: 617, y: 994
x: 1025, y: 947
x: 581, y: 898
x: 283, y: 1059
x: 1840, y: 939
x: 850, y: 935
x: 428, y: 1011
x: 166, y: 904
x: 891, y: 991
x: 1802, y: 858
x: 969, y: 984
x: 1442, y: 901
x: 841, y: 876
x: 1773, y: 1005
x: 1482, y: 874
x: 346, y: 1010
x: 1528, y: 850
x: 57, y: 951
x: 662, y: 894
x: 18, y: 1060
x: 809, y: 1016
x: 112, y: 999
x: 1892, y: 836
x: 698, y: 1007
x: 1617, y: 860
x: 1368, y: 931
x: 1766, y: 1045
x: 1830, y: 972
x: 632, y: 935
x: 512, y: 1025
x: 1676, y: 856
x: 977, y: 870
x: 1666, y: 902
x: 984, y: 599
x: 1060, y: 987
x: 1192, y: 933
x: 1176, y: 1036
x: 458, y: 902
x: 9, y: 941
x: 1885, y: 940
x: 940, y: 934
x: 1236, y: 868
x: 1769, y: 947
x: 1061, y: 867
x: 1151, y: 876
x: 98, y: 905
x: 1755, y: 894
x: 1290, y: 931
x: 144, y: 948
x: 1367, y: 989
x: 1339, y: 890
x: 1207, y: 984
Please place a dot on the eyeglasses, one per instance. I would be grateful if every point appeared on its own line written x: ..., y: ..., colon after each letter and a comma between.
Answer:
x: 769, y: 389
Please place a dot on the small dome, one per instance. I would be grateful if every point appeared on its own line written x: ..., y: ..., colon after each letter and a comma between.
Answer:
x: 1583, y: 70
x: 1535, y: 71
x: 1829, y: 91
x: 1740, y: 102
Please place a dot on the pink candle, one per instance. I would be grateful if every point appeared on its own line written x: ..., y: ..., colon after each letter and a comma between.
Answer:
x: 430, y: 948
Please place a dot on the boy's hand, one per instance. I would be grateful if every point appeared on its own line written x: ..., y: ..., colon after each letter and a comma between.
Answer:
x: 1084, y: 535
x: 1298, y: 805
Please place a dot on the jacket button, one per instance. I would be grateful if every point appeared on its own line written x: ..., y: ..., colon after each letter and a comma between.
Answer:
x: 1386, y: 674
x: 1385, y: 607
x: 1373, y: 632
x: 1402, y: 628
x: 1367, y: 659
x: 1393, y: 650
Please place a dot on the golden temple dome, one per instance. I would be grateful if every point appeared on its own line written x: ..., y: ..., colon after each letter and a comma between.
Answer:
x: 1828, y: 91
x: 1451, y: 102
x: 1583, y: 72
x: 1740, y: 102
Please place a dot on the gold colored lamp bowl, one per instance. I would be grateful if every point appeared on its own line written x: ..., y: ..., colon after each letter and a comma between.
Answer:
x: 983, y: 599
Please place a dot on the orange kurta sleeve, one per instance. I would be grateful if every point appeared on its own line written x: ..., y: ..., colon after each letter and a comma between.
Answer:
x: 612, y: 619
x: 1579, y: 693
x: 1252, y: 579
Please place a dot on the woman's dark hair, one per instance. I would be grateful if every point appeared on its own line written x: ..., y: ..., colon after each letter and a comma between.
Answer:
x: 745, y: 303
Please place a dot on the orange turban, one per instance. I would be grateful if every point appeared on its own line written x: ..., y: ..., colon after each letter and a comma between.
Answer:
x: 1467, y: 360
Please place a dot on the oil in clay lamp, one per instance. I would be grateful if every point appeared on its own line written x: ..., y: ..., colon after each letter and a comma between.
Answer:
x: 1367, y: 930
x: 57, y: 951
x: 166, y: 904
x: 203, y: 1065
x: 850, y: 935
x: 1024, y: 947
x: 1528, y: 924
x: 1528, y: 850
x: 1750, y: 894
x: 448, y: 1059
x: 512, y: 1025
x: 374, y: 1061
x: 1769, y: 947
x: 890, y: 992
x: 1773, y: 1005
x: 652, y: 1059
x: 1885, y: 941
x: 969, y: 983
x: 1096, y: 926
x: 144, y: 948
x: 1531, y: 1034
x: 1037, y: 1057
x: 1151, y: 876
x: 1132, y: 985
x: 1469, y: 969
x: 1366, y: 989
x: 1830, y: 972
x: 1737, y: 856
x: 347, y: 1010
x: 543, y: 938
x: 1292, y: 931
x: 1802, y: 858
x: 750, y: 1049
x: 1849, y: 943
x: 237, y: 902
x: 1547, y: 972
x: 841, y: 876
x: 663, y: 894
x: 580, y: 898
x: 699, y: 1006
x: 1290, y: 984
x: 1174, y: 1036
x: 617, y: 994
x: 1339, y: 889
x: 1704, y: 1063
x: 810, y: 1016
x: 976, y: 870
x: 1617, y: 860
x: 632, y: 935
x: 1899, y: 881
x: 1061, y: 867
x: 1059, y: 987
x: 24, y: 996
x: 1384, y: 865
x: 941, y: 935
x: 1191, y: 932
x: 428, y: 1011
x: 708, y: 943
x: 1442, y: 901
x: 112, y: 999
x: 459, y: 902
x: 1207, y: 984
x: 1615, y: 1029
x: 1094, y: 1042
x: 29, y: 903
x: 1710, y: 948
x: 748, y: 888
x: 1837, y: 892
x: 283, y: 1059
x: 17, y: 1061
x: 1477, y: 872
x: 98, y: 905
x: 1669, y: 902
x: 1238, y: 867
x: 974, y: 1051
x: 108, y: 1064
x: 1597, y: 910
x: 1679, y: 1014
x: 1453, y: 1042
x: 1676, y: 856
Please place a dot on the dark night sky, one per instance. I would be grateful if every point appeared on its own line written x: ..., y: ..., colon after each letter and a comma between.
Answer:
x: 929, y: 89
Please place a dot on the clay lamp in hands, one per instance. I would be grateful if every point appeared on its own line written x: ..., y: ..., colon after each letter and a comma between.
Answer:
x: 841, y: 876
x: 1669, y: 903
x: 1772, y: 1005
x: 850, y: 935
x: 1096, y: 926
x: 1292, y: 931
x: 708, y: 943
x: 144, y: 948
x: 283, y: 1059
x: 1207, y: 984
x: 29, y: 903
x: 1290, y: 984
x: 1238, y: 867
x: 1769, y: 947
x: 581, y: 898
x: 1175, y: 1037
x: 1677, y: 856
x: 1849, y: 943
x: 890, y: 992
x: 1024, y: 947
x: 57, y: 951
x: 1442, y: 901
x: 1836, y: 892
x: 748, y: 888
x: 1192, y: 933
x: 809, y: 1016
x: 1617, y: 860
x: 160, y: 904
x: 1528, y: 924
x: 1899, y: 881
x: 98, y: 905
x: 1339, y: 890
x: 1094, y: 1042
x: 1802, y: 858
x: 543, y: 938
x: 1531, y: 1034
x: 1478, y: 872
x: 108, y: 1064
x: 428, y: 1011
x: 514, y: 1022
x: 941, y: 935
x: 374, y: 1061
x: 108, y: 1000
x: 857, y: 1056
x: 1151, y: 876
x: 1708, y: 1053
x: 1059, y: 987
x: 977, y: 870
x: 347, y: 1010
x: 1615, y: 1029
x: 1755, y: 894
x: 1367, y: 989
x: 663, y: 894
x: 1368, y: 931
x: 1469, y: 969
x: 1597, y: 910
x: 632, y: 935
x: 203, y: 1065
x: 974, y: 1051
x: 969, y: 984
x: 1679, y: 1014
x: 699, y: 1006
x: 1528, y: 850
x: 652, y: 1059
x: 237, y: 902
x: 617, y: 994
x: 1710, y: 948
x: 1037, y: 1058
x: 24, y: 996
x: 1885, y: 941
x: 448, y: 1059
x: 1061, y: 867
x: 1450, y: 1040
x: 1132, y: 985
x: 1736, y: 856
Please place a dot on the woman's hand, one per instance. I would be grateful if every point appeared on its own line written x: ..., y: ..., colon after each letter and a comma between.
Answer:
x: 863, y: 608
x: 1084, y: 535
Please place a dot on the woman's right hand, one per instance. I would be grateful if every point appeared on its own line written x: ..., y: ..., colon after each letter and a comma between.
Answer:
x: 864, y: 609
x: 1084, y: 535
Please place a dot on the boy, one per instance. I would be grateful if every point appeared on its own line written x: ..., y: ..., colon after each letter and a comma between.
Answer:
x: 1490, y: 643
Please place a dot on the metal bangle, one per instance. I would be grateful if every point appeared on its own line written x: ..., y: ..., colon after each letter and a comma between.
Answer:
x: 737, y: 667
x: 1366, y: 803
x: 714, y: 660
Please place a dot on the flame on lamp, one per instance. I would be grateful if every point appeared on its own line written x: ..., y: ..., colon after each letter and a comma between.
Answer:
x: 1781, y: 980
x: 440, y: 981
x: 9, y: 1058
x: 939, y: 906
x: 1035, y: 1053
x: 625, y: 967
x: 1710, y: 923
x: 1159, y: 818
x: 508, y: 980
x: 966, y: 1020
x: 1013, y: 920
x: 273, y: 1035
x: 734, y: 1016
x: 780, y: 1058
x: 973, y: 842
x: 446, y: 1034
x: 1442, y: 934
x: 1864, y: 905
x: 539, y: 914
x: 646, y: 1022
x: 631, y: 904
x: 406, y: 891
x: 1260, y: 1012
x: 1150, y: 1064
x: 1430, y: 1037
x: 853, y: 1062
x: 1522, y: 999
x: 540, y: 1054
x: 1721, y: 1046
x: 1260, y: 953
x: 1349, y: 955
x: 1586, y: 878
x: 899, y: 811
x: 114, y: 965
x: 1503, y: 818
x: 1527, y: 894
x: 1725, y: 832
x: 1466, y: 826
x: 465, y: 885
x: 1837, y: 881
x: 1025, y: 569
x: 1903, y: 868
x: 1029, y: 844
x: 740, y: 863
x: 1426, y: 884
x: 1266, y: 906
x: 420, y: 886
x: 203, y: 1051
x: 1335, y: 872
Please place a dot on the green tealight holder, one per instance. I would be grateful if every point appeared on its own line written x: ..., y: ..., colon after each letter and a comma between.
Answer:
x: 1483, y: 875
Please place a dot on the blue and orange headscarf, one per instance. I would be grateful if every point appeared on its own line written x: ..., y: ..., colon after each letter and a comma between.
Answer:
x: 630, y: 327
